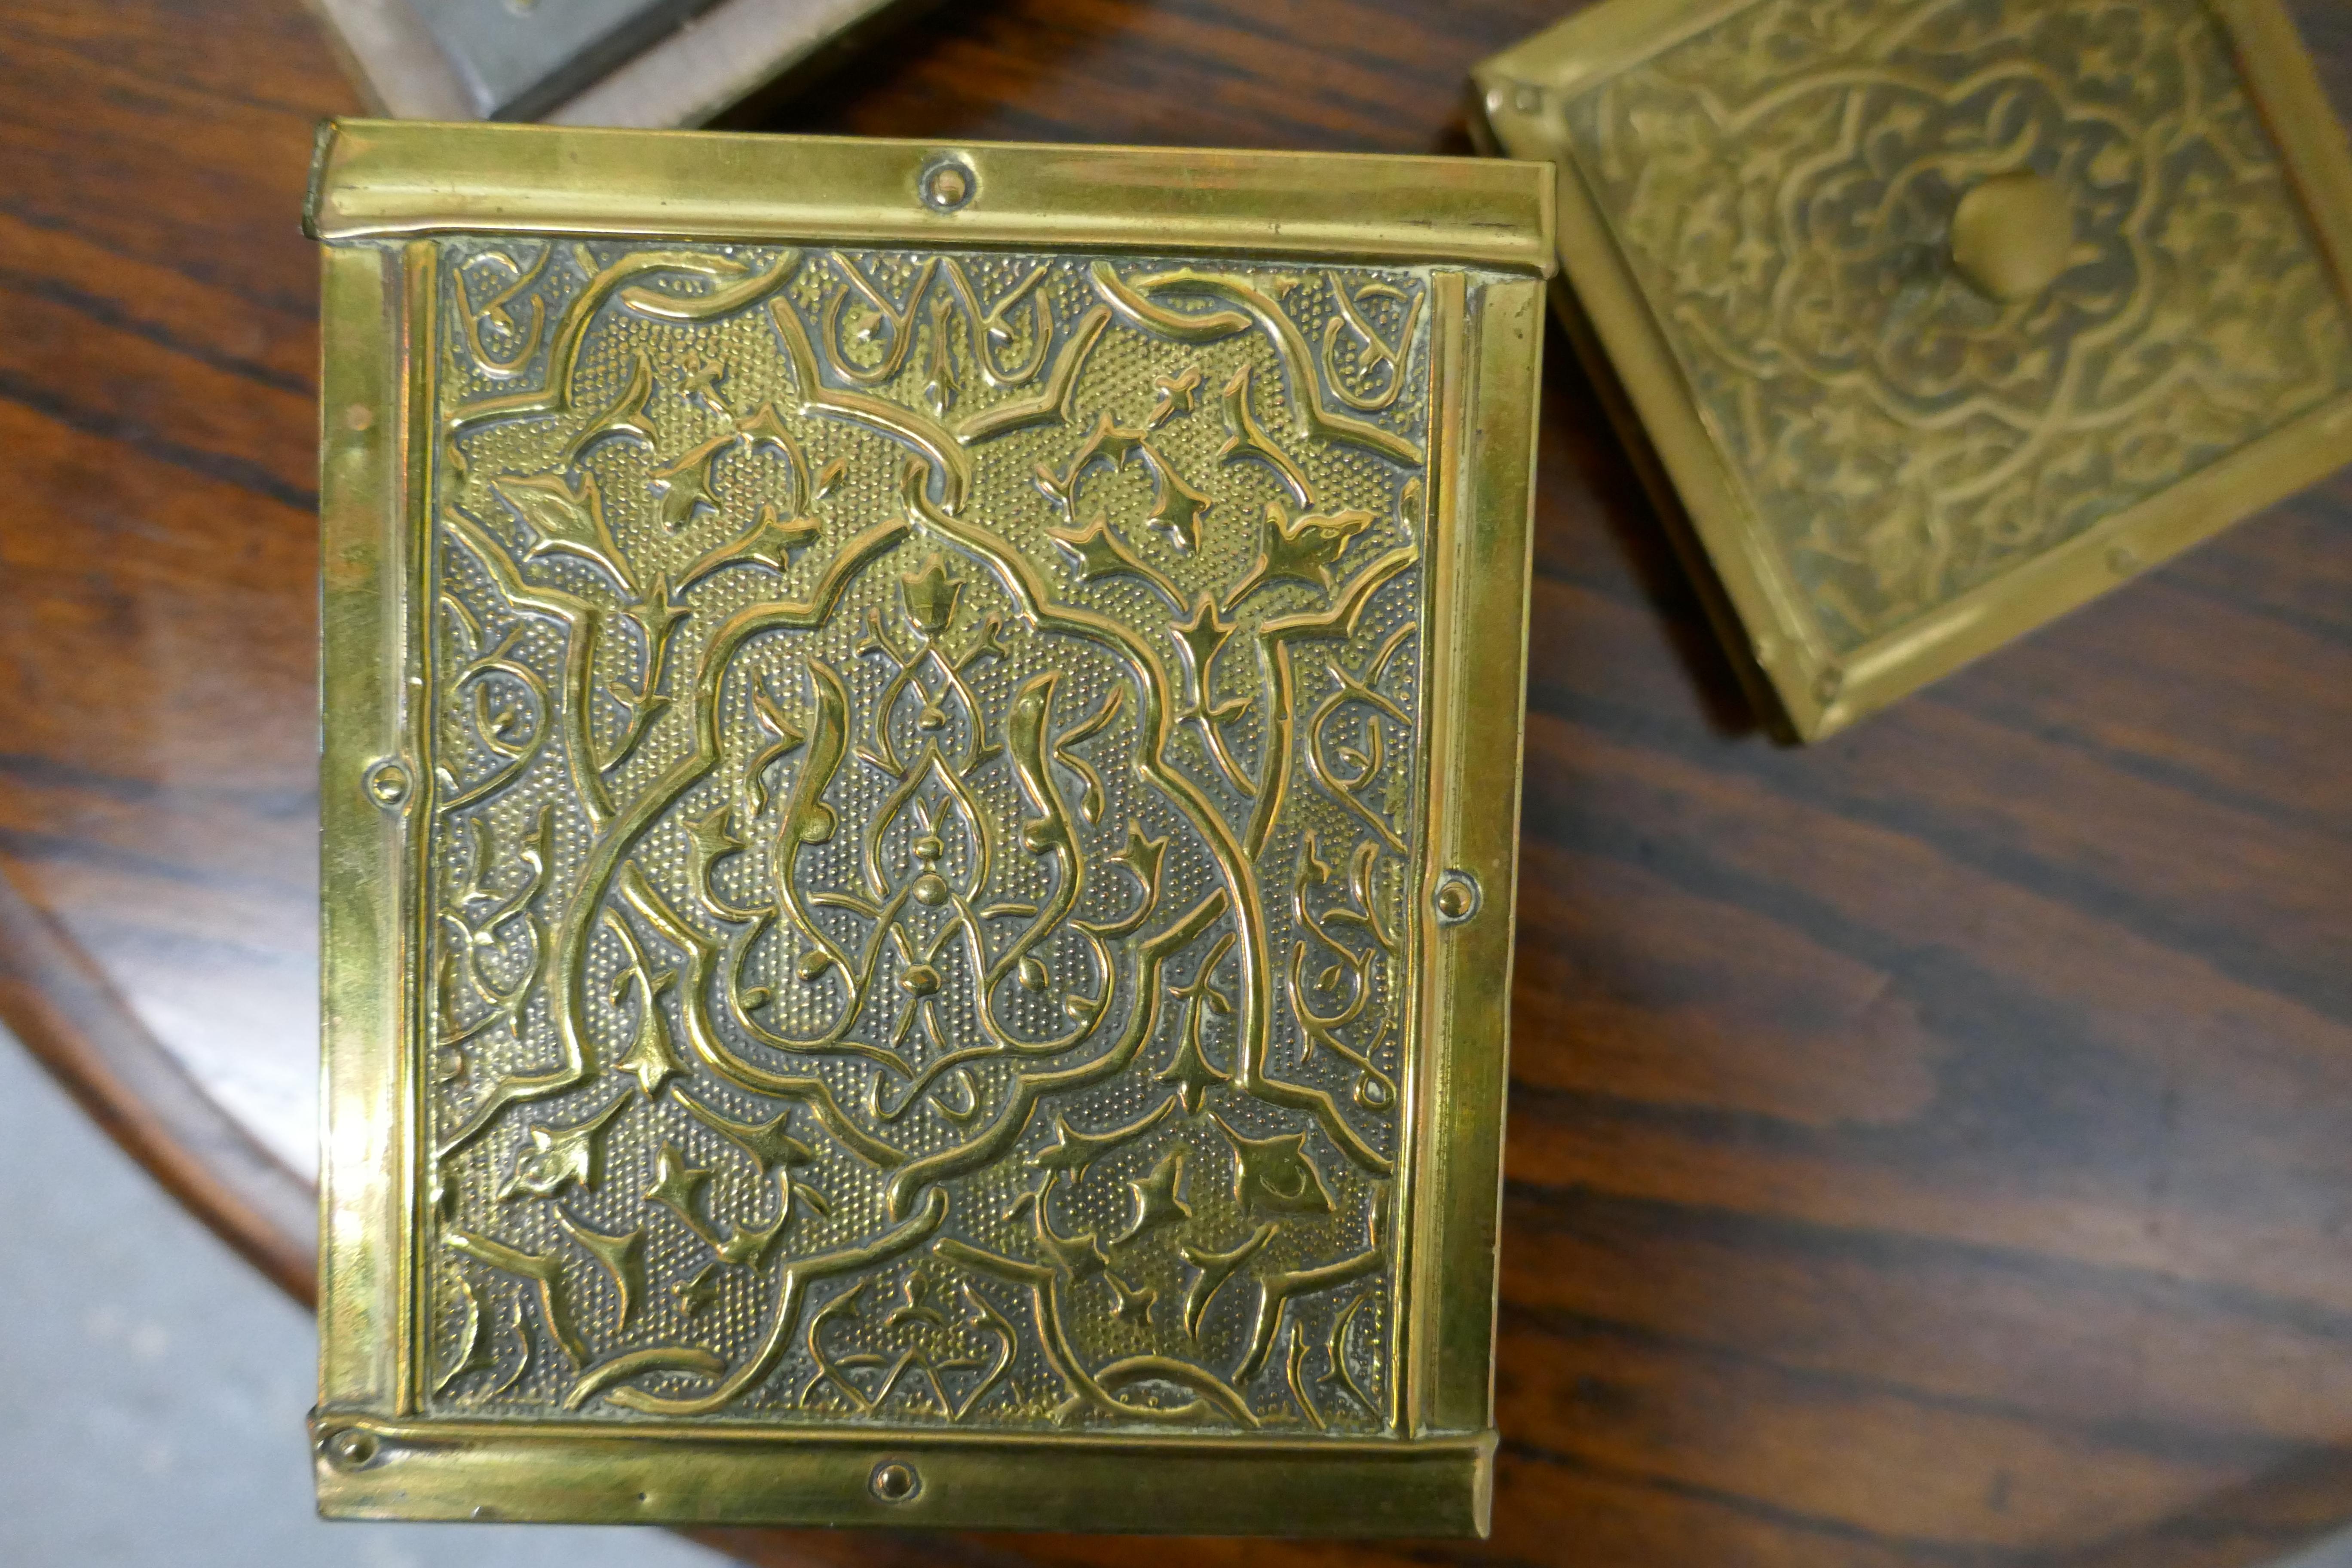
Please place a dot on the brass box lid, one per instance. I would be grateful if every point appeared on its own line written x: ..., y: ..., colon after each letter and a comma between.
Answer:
x: 1944, y: 317
x: 920, y: 790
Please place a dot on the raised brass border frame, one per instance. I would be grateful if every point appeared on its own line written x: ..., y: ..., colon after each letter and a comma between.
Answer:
x: 1755, y: 604
x: 374, y: 1455
x: 385, y: 177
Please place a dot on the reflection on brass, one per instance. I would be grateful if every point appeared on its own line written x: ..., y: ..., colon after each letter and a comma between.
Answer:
x: 1933, y: 311
x: 954, y: 910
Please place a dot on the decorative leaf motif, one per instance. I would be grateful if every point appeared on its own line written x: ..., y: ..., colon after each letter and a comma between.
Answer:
x: 1190, y: 1072
x: 1074, y: 1151
x: 1158, y: 1198
x: 684, y: 484
x: 771, y: 541
x: 1274, y: 1175
x: 768, y: 1143
x: 559, y: 1156
x: 1302, y: 548
x: 651, y: 1059
x: 677, y: 1186
x: 930, y: 594
x: 565, y: 520
x: 623, y: 1258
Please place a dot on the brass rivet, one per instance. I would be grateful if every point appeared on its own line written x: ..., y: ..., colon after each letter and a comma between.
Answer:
x: 1456, y: 898
x: 948, y: 184
x: 1828, y: 684
x: 2011, y: 235
x: 2122, y: 560
x: 387, y: 783
x: 351, y: 1448
x: 1527, y: 99
x: 895, y: 1482
x: 359, y: 417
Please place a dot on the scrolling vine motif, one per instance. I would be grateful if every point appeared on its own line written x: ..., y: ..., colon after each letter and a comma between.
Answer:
x: 926, y: 801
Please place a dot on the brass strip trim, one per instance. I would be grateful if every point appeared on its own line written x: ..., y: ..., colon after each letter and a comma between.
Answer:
x: 379, y: 178
x: 1476, y: 712
x: 2120, y: 548
x: 420, y: 272
x: 362, y: 1114
x: 654, y: 1474
x: 1419, y: 1276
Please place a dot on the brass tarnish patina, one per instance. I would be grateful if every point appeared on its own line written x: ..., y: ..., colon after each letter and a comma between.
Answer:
x: 1942, y: 318
x: 919, y: 828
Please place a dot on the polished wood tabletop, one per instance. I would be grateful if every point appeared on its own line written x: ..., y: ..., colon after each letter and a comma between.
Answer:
x: 1930, y: 1147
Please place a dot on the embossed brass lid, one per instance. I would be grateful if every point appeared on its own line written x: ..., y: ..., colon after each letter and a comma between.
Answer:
x: 1942, y: 318
x: 919, y: 800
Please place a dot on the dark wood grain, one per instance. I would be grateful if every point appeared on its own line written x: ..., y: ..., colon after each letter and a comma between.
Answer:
x: 1934, y: 1147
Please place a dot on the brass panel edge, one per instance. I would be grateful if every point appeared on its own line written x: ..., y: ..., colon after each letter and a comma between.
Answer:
x: 420, y: 283
x: 2125, y: 546
x: 382, y: 178
x: 360, y: 513
x: 1467, y: 908
x: 653, y: 1475
x: 1774, y: 632
x: 1424, y: 1172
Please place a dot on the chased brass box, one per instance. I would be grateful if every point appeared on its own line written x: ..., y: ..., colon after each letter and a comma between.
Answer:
x: 1941, y: 318
x: 920, y: 781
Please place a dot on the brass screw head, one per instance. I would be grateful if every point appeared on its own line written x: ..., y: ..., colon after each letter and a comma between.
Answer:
x: 351, y: 1448
x: 948, y: 184
x: 2012, y: 234
x: 387, y: 783
x: 894, y: 1480
x: 1456, y: 898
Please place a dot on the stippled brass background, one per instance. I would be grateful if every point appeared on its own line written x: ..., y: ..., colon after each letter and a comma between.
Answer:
x: 922, y: 820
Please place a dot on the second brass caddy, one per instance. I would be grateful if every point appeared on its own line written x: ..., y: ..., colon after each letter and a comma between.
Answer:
x: 1941, y: 318
x: 919, y: 789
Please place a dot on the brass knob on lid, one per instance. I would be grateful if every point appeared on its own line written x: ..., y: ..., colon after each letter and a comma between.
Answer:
x: 2012, y: 234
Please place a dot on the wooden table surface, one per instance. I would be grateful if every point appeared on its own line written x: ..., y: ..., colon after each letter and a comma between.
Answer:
x: 1933, y: 1147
